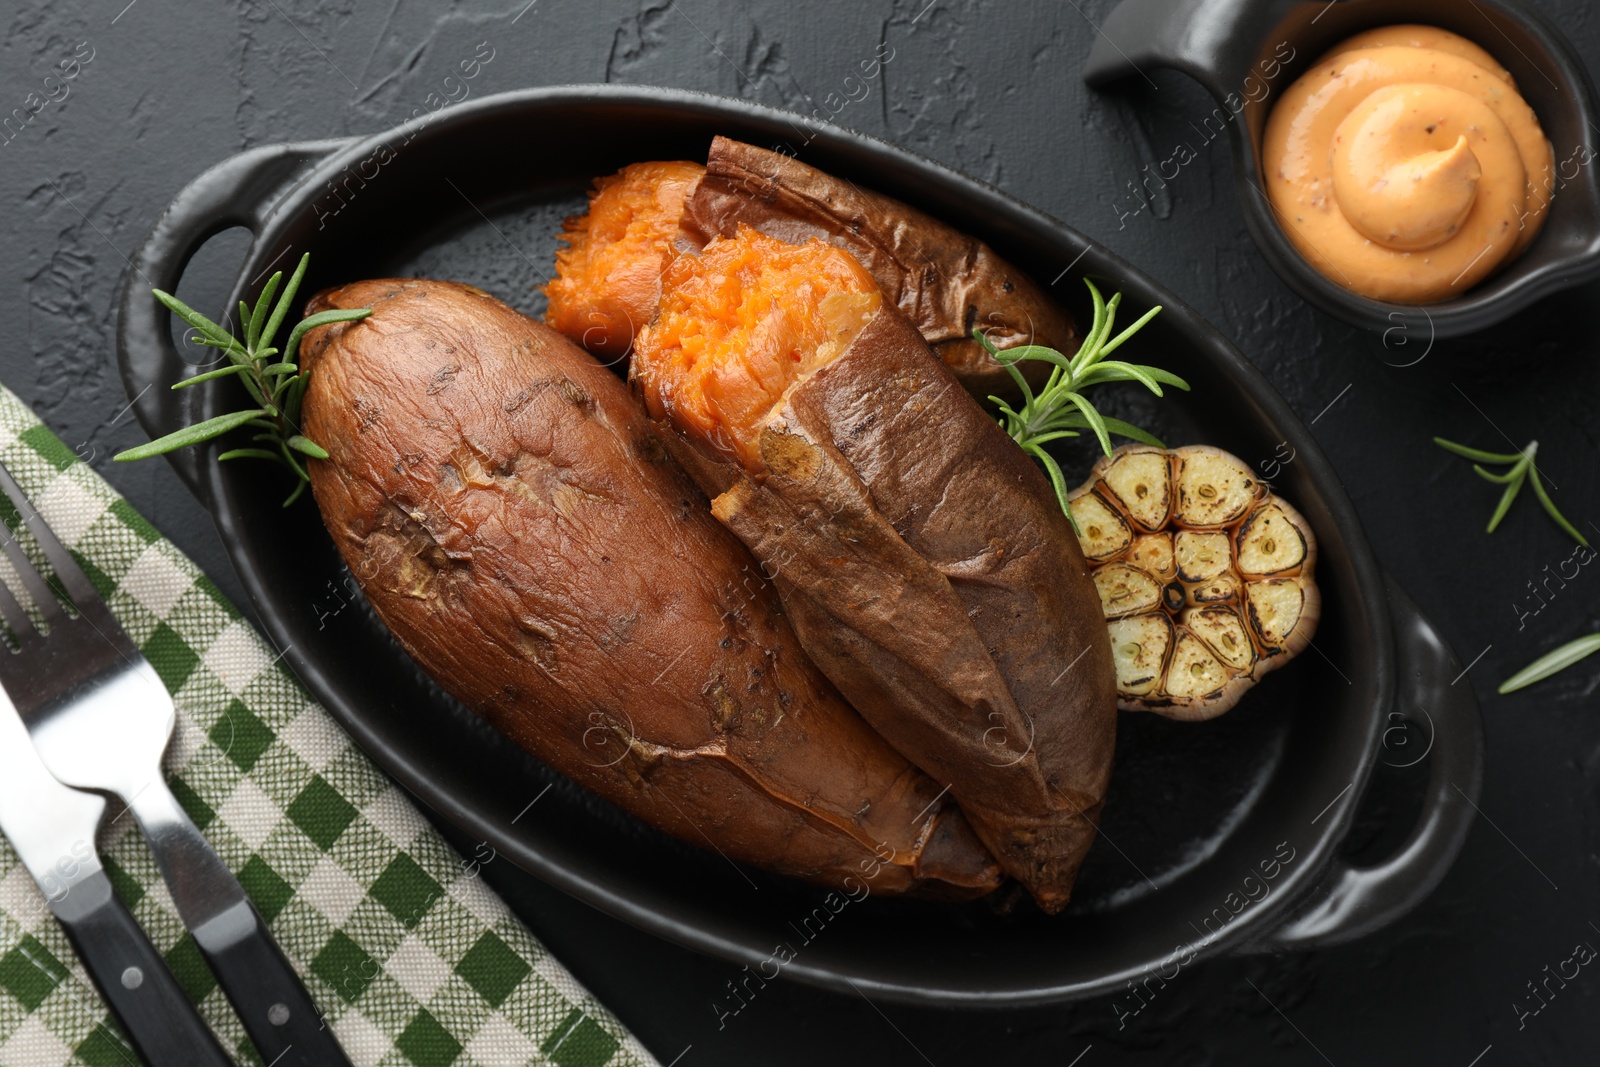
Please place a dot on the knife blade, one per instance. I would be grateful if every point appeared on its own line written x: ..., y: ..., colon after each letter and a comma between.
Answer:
x: 52, y: 828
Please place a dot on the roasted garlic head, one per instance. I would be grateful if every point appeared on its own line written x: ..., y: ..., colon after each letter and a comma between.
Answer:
x: 1204, y: 575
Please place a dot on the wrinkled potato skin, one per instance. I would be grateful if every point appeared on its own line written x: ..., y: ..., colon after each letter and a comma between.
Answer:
x: 513, y: 519
x: 943, y: 281
x: 929, y: 571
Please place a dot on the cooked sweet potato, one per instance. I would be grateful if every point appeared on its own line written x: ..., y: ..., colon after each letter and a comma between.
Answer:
x: 921, y: 556
x: 512, y: 517
x: 942, y: 280
x: 608, y: 275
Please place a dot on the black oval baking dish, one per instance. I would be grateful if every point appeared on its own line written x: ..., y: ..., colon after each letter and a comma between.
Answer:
x: 1218, y: 837
x: 1245, y: 52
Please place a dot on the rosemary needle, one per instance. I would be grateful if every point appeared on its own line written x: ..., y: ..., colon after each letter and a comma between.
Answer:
x: 1059, y: 409
x: 274, y: 380
x: 1522, y: 469
x: 1552, y: 662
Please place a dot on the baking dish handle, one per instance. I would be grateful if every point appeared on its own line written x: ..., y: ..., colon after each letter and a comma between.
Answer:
x: 1212, y: 41
x: 239, y: 191
x: 1351, y: 902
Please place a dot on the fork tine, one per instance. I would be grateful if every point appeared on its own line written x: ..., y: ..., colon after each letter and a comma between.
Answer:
x: 44, y: 598
x: 15, y: 618
x: 68, y: 573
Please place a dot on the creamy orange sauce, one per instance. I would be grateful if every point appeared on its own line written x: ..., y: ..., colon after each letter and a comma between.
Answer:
x: 1405, y: 166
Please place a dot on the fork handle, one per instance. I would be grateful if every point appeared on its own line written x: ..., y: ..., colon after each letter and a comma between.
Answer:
x: 278, y: 1014
x: 155, y: 1014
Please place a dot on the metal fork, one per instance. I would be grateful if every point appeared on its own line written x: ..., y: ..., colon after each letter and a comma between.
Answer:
x: 101, y: 719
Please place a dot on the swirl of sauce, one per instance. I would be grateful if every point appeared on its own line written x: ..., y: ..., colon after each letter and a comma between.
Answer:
x: 1405, y: 166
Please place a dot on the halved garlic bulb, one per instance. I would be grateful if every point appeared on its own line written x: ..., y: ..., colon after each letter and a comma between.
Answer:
x: 1204, y: 576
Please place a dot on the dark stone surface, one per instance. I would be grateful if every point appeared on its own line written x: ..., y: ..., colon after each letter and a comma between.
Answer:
x: 992, y: 89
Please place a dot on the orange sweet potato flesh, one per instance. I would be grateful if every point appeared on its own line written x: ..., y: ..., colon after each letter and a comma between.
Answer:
x: 942, y: 280
x: 513, y: 519
x: 608, y: 275
x: 741, y: 323
x: 921, y: 556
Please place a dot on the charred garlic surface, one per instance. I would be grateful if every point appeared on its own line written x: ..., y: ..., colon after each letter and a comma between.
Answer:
x: 1204, y: 575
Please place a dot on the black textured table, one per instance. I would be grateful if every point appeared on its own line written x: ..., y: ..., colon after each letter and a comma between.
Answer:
x: 166, y: 88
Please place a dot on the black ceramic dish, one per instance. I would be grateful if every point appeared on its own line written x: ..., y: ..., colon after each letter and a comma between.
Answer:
x: 1220, y: 837
x: 1246, y: 52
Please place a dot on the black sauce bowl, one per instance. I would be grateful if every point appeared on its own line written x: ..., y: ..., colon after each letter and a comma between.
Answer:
x: 1245, y: 52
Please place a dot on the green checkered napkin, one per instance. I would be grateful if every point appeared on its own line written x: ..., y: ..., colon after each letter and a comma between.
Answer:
x: 412, y: 957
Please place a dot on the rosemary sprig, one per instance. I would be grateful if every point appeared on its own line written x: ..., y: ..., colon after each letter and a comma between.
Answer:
x: 1552, y: 662
x: 274, y: 380
x: 1522, y: 469
x: 1059, y: 409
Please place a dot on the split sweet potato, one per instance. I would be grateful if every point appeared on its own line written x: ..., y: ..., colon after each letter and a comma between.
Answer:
x: 512, y: 517
x: 920, y: 555
x: 942, y: 280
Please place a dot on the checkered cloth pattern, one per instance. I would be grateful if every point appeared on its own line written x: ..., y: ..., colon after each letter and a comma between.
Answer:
x: 413, y: 959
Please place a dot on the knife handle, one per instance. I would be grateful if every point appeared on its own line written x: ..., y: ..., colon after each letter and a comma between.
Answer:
x: 154, y: 1012
x: 277, y: 1012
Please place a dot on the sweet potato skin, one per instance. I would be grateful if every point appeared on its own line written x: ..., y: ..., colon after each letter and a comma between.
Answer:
x: 942, y: 280
x: 513, y: 519
x: 929, y: 572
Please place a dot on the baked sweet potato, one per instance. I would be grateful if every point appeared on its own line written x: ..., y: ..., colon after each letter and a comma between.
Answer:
x: 921, y: 557
x: 512, y: 517
x: 608, y: 273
